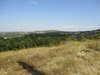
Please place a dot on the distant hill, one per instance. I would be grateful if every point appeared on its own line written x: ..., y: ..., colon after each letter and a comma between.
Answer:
x: 52, y: 32
x: 15, y: 41
x: 13, y: 34
x: 78, y: 34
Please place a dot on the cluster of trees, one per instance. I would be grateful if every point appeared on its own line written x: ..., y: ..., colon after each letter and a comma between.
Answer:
x: 29, y: 41
x: 47, y: 39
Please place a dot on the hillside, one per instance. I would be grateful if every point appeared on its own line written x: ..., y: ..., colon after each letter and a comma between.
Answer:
x: 20, y: 34
x: 77, y: 35
x: 7, y: 35
x: 71, y: 58
x: 46, y: 38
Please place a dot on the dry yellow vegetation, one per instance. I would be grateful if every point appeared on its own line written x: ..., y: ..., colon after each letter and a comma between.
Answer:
x: 71, y: 58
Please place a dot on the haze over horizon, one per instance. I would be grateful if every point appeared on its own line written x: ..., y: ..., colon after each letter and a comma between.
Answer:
x: 37, y: 15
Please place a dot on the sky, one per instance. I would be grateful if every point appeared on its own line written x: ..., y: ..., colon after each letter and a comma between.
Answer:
x: 37, y: 15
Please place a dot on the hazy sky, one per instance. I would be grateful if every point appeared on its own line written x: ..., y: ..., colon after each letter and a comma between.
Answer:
x: 33, y: 15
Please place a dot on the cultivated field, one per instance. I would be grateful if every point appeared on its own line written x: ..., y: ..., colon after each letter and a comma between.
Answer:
x: 71, y: 58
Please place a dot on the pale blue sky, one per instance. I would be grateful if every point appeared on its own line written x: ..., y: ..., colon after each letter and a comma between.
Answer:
x: 33, y: 15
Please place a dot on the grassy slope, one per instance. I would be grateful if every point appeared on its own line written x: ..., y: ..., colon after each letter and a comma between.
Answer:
x: 73, y: 58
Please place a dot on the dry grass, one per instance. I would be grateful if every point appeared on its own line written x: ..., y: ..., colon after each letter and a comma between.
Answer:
x: 95, y: 45
x: 72, y: 58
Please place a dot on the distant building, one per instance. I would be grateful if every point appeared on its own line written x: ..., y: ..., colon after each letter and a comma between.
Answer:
x: 5, y: 37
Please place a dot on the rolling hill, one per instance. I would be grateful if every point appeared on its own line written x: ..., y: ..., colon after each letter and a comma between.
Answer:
x: 44, y: 38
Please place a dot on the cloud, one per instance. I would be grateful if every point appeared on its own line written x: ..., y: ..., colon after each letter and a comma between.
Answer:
x: 34, y: 2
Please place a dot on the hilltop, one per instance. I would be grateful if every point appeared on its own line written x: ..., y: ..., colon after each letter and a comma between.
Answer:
x: 71, y: 58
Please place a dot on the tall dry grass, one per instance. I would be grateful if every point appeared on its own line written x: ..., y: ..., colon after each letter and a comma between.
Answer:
x: 72, y: 58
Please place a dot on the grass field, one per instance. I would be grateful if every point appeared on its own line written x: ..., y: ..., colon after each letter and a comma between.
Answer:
x: 71, y: 58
